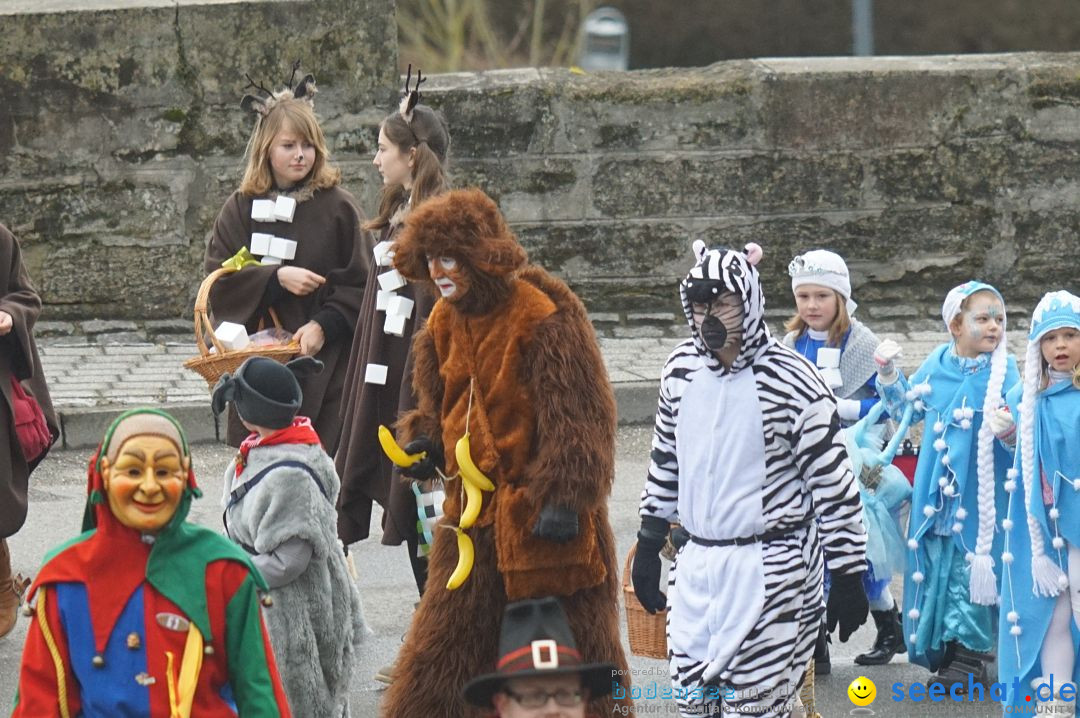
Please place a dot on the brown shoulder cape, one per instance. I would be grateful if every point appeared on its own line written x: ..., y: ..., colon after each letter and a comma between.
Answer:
x: 331, y: 241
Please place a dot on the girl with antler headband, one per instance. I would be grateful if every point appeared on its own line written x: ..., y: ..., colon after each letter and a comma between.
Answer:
x: 308, y: 241
x: 411, y: 157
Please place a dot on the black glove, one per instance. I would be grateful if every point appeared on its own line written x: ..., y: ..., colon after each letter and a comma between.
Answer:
x: 426, y: 468
x: 556, y: 523
x: 645, y: 573
x: 679, y: 537
x: 847, y: 605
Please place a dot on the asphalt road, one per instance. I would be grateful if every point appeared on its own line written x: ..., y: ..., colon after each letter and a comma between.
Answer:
x: 58, y: 492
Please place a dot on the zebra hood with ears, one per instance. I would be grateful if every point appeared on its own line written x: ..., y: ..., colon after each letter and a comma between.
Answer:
x: 718, y: 271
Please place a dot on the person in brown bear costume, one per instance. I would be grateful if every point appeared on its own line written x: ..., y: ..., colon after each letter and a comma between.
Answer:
x: 509, y: 356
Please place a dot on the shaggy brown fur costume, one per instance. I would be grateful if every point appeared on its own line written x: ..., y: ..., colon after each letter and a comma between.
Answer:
x: 542, y: 427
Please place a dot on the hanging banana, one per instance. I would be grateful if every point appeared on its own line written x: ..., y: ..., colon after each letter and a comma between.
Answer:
x: 394, y: 452
x: 474, y: 499
x: 465, y: 561
x: 466, y: 467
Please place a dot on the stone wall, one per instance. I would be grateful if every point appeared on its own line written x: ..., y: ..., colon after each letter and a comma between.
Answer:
x: 121, y: 133
x: 120, y: 139
x: 922, y: 171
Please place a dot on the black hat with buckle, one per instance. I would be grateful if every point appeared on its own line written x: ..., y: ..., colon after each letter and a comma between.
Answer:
x: 535, y: 640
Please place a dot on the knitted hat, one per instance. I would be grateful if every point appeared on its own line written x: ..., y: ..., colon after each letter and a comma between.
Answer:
x: 535, y: 640
x: 824, y: 268
x: 141, y: 424
x: 1054, y: 311
x: 264, y: 392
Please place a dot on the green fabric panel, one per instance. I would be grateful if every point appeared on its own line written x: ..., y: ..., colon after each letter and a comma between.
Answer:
x: 249, y: 669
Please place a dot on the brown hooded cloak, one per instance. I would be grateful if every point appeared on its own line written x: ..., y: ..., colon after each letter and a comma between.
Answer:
x: 542, y: 428
x: 18, y: 359
x: 328, y: 229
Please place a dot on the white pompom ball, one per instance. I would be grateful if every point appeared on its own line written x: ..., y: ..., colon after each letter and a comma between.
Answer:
x: 961, y: 513
x: 1076, y: 484
x: 957, y: 527
x: 1007, y: 524
x: 969, y: 557
x: 1010, y: 486
x: 969, y: 413
x: 913, y: 544
x: 949, y: 490
x: 939, y: 427
x: 943, y: 481
x: 910, y: 395
x: 913, y: 614
x: 1015, y: 630
x: 1054, y: 513
x: 1058, y: 543
x: 945, y: 460
x: 965, y: 424
x: 919, y: 405
x: 917, y: 577
x: 928, y: 511
x: 940, y: 445
x: 1006, y: 557
x: 957, y: 414
x: 1063, y: 581
x: 923, y: 389
x: 1013, y: 616
x: 1012, y: 473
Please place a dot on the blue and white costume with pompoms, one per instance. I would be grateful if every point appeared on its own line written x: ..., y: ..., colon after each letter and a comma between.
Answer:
x: 950, y: 583
x: 1038, y: 634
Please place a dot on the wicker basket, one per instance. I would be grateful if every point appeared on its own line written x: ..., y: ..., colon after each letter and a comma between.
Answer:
x: 647, y: 632
x: 211, y: 365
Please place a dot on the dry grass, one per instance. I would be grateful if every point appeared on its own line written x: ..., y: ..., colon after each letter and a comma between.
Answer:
x: 454, y: 35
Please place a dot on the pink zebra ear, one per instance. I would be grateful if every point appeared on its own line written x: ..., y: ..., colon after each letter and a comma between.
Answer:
x: 699, y: 248
x: 754, y: 253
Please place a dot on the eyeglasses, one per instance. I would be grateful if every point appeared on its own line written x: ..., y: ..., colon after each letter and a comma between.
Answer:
x: 564, y: 697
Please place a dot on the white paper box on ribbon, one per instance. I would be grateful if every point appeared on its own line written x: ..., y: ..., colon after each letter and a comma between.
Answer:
x: 400, y: 306
x: 270, y: 260
x: 260, y: 243
x: 375, y: 374
x: 284, y: 209
x: 232, y: 335
x: 394, y: 324
x: 384, y: 256
x: 382, y: 300
x: 389, y: 281
x: 282, y: 248
x: 262, y: 210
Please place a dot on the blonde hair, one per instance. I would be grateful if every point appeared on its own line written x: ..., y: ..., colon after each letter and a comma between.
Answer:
x: 288, y: 114
x: 839, y: 327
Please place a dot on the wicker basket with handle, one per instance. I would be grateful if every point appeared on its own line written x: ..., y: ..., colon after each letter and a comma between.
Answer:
x: 210, y: 365
x: 647, y: 632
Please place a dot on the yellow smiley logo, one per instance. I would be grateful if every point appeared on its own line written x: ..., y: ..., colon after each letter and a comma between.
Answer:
x: 862, y: 691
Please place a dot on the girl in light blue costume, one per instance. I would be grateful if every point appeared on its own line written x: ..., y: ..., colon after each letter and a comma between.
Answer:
x: 825, y: 331
x: 950, y: 583
x: 1040, y: 594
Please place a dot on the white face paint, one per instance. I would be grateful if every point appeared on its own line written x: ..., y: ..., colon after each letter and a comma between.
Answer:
x: 448, y: 277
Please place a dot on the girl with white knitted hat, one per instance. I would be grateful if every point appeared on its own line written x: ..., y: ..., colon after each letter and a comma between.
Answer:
x: 950, y: 584
x: 1040, y: 594
x: 825, y: 331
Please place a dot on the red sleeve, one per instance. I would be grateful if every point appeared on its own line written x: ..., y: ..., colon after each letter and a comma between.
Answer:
x: 39, y: 690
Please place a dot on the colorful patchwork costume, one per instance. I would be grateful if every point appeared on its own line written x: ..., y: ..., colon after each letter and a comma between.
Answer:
x: 127, y: 624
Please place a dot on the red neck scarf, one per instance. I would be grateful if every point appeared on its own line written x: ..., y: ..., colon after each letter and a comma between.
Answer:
x: 299, y: 432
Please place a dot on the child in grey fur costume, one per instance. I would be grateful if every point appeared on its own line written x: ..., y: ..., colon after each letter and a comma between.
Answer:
x: 280, y: 494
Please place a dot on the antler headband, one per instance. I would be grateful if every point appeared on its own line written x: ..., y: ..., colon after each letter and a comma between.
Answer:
x: 262, y: 105
x: 410, y: 98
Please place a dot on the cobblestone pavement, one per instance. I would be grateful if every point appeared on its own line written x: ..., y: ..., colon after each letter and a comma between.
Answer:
x: 96, y: 368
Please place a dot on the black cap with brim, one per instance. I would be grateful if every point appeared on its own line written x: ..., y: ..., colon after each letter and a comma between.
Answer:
x: 535, y: 640
x: 595, y: 679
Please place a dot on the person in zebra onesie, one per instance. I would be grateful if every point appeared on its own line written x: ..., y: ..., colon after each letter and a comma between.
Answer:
x: 748, y: 456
